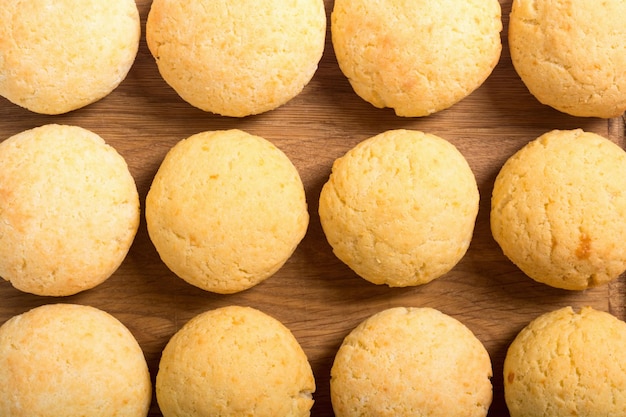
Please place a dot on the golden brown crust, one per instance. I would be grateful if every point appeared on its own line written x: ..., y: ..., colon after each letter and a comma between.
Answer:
x: 571, y: 55
x: 56, y: 57
x: 226, y: 210
x: 558, y: 209
x: 567, y: 363
x: 395, y: 212
x: 69, y: 210
x: 237, y: 61
x: 72, y: 361
x: 411, y: 362
x: 234, y: 361
x: 417, y: 57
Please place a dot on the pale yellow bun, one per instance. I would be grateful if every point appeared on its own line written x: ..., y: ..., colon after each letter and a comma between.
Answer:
x: 558, y: 209
x: 571, y: 54
x: 58, y: 56
x: 417, y: 57
x: 71, y: 361
x: 411, y: 362
x: 226, y: 210
x: 234, y: 361
x: 399, y: 208
x: 69, y: 210
x: 567, y: 363
x: 237, y: 59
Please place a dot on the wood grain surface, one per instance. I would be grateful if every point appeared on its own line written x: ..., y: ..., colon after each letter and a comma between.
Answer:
x: 314, y: 294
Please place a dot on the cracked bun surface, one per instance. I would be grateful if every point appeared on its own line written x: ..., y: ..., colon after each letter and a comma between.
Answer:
x: 571, y: 54
x: 399, y: 208
x: 558, y: 209
x: 411, y: 362
x: 58, y: 56
x: 72, y: 361
x: 69, y: 210
x: 567, y: 363
x: 234, y: 361
x: 416, y: 57
x: 226, y: 210
x: 237, y: 59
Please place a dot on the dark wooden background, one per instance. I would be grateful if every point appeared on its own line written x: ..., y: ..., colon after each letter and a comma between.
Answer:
x: 314, y: 294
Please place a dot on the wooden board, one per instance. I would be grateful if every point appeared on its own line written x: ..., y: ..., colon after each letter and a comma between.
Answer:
x: 314, y: 294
